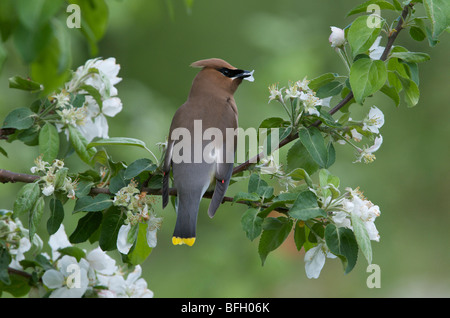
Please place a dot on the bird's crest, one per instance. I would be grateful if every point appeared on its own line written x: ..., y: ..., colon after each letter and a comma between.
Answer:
x: 213, y: 63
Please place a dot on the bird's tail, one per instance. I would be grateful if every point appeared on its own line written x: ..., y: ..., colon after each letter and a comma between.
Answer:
x: 185, y: 226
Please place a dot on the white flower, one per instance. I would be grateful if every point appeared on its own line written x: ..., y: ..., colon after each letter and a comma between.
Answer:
x: 48, y: 190
x: 70, y: 280
x: 132, y: 287
x: 315, y: 260
x: 122, y: 239
x: 101, y: 262
x: 303, y: 85
x: 337, y: 37
x: 374, y: 120
x: 376, y: 50
x: 292, y: 92
x: 310, y: 101
x: 57, y: 241
x: 356, y: 135
x: 154, y: 224
x: 275, y: 93
x: 355, y: 204
x: 101, y: 75
x: 367, y: 153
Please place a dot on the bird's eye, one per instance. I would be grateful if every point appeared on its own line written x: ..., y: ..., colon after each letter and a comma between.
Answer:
x: 225, y: 71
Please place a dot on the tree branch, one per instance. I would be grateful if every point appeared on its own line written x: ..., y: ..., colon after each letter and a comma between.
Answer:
x: 343, y: 102
x: 8, y: 176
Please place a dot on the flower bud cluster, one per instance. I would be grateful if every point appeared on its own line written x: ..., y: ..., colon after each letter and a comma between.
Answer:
x: 54, y: 177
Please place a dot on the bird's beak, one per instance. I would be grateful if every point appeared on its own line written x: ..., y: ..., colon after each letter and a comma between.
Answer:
x: 247, y: 75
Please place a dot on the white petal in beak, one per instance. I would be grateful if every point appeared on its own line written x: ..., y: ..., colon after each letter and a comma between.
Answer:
x: 249, y: 76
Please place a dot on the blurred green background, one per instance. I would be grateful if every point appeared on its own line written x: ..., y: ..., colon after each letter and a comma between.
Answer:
x: 282, y: 40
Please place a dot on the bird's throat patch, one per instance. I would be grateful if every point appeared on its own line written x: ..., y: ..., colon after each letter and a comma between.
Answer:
x: 182, y: 240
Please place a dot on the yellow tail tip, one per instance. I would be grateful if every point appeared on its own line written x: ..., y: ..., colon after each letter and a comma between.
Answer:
x: 181, y: 240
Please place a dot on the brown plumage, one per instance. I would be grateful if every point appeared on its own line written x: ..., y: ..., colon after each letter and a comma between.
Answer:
x: 211, y: 105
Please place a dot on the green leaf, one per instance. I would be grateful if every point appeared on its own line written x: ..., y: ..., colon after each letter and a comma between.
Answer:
x: 244, y: 196
x: 438, y: 12
x: 34, y: 14
x: 79, y: 143
x: 92, y: 204
x: 141, y: 250
x: 314, y: 142
x: 74, y: 251
x: 360, y: 36
x: 301, y: 174
x: 94, y: 93
x: 56, y: 216
x: 306, y: 207
x: 86, y: 226
x: 391, y: 92
x: 139, y: 166
x: 366, y: 77
x: 24, y: 84
x: 417, y: 33
x: 94, y: 20
x: 362, y: 237
x: 341, y: 242
x: 256, y: 184
x: 123, y: 141
x: 26, y: 198
x: 299, y: 234
x: 411, y: 91
x: 252, y: 223
x: 19, y: 286
x: 321, y: 80
x: 19, y: 118
x: 5, y: 259
x: 48, y: 142
x: 299, y: 157
x: 112, y: 221
x: 384, y: 5
x: 35, y: 216
x: 411, y: 57
x: 330, y: 89
x: 275, y: 232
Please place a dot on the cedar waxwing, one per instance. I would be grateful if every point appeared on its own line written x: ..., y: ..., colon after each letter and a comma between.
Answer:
x: 209, y: 110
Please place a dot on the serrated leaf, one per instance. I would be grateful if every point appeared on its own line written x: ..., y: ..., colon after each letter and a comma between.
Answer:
x: 19, y: 118
x: 26, y: 198
x: 411, y: 57
x: 252, y: 223
x: 18, y: 82
x: 112, y: 221
x: 73, y: 251
x: 86, y: 226
x: 411, y: 91
x: 366, y: 77
x: 139, y: 166
x: 299, y: 234
x: 341, y: 241
x: 314, y: 142
x: 92, y: 204
x: 363, y: 7
x: 56, y: 216
x: 35, y: 216
x: 362, y: 237
x: 244, y: 196
x: 141, y: 250
x: 48, y: 142
x: 79, y: 143
x: 438, y: 12
x: 360, y: 36
x: 274, y: 234
x: 299, y: 157
x: 306, y: 207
